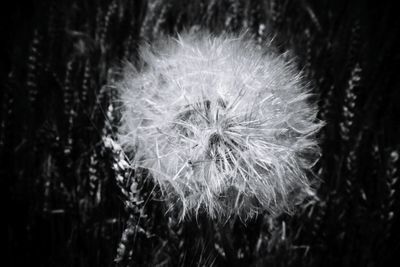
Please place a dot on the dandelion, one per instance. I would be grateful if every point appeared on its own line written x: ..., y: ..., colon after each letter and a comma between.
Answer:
x: 222, y: 126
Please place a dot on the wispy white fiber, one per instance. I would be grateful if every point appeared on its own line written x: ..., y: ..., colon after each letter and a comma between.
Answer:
x: 222, y: 126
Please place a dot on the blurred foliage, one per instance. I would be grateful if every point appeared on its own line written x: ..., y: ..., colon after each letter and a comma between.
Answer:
x: 70, y: 201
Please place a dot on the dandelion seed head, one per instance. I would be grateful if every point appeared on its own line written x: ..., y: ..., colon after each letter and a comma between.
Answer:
x: 222, y: 126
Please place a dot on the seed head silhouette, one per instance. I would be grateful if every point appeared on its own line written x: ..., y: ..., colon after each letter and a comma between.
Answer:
x: 223, y: 126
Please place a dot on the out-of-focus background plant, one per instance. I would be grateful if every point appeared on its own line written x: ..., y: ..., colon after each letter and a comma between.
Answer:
x: 72, y: 201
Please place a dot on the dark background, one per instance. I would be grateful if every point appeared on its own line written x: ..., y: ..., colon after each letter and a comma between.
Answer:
x: 62, y: 204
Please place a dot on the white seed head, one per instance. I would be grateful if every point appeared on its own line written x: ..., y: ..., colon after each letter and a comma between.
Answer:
x: 222, y: 126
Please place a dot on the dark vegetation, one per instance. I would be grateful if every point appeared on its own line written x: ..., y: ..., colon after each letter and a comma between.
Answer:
x: 64, y: 206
